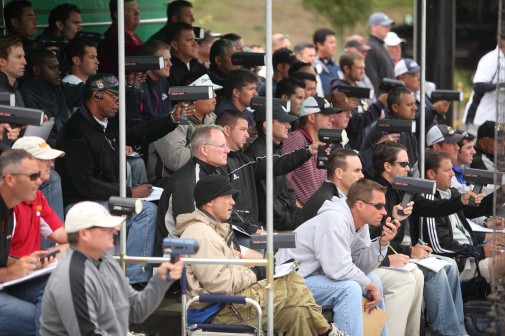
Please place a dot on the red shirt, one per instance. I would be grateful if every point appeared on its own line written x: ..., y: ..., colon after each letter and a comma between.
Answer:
x: 32, y: 218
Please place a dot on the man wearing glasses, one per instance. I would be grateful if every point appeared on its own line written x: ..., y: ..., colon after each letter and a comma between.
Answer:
x: 19, y: 304
x: 340, y: 229
x: 442, y: 292
x: 90, y: 168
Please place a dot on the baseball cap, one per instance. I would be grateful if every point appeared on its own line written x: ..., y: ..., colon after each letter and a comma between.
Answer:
x: 37, y: 147
x: 278, y: 113
x: 487, y: 130
x: 406, y: 65
x: 210, y: 187
x: 85, y: 215
x: 392, y: 40
x: 103, y: 82
x: 205, y: 80
x: 339, y: 100
x: 439, y: 133
x: 358, y: 45
x: 380, y: 19
x: 283, y: 55
x: 317, y: 105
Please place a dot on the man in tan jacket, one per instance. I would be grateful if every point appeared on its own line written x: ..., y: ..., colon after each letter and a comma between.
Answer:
x: 295, y: 311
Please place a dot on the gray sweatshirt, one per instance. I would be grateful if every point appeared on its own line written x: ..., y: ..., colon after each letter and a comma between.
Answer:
x: 86, y: 297
x: 329, y: 244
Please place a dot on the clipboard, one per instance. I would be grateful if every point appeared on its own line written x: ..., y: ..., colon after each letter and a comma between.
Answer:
x: 373, y: 322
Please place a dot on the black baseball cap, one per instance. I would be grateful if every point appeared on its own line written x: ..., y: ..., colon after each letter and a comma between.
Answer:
x: 102, y: 82
x: 278, y: 113
x: 212, y: 186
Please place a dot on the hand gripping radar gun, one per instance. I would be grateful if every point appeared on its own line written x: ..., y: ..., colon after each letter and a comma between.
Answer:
x: 176, y: 246
x: 479, y: 178
x: 411, y: 186
x: 189, y: 94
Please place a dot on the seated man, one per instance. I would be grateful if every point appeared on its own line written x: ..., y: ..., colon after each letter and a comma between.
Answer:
x: 485, y: 146
x: 20, y: 304
x: 36, y: 219
x: 90, y: 168
x: 464, y: 159
x: 341, y: 229
x: 453, y: 234
x: 88, y: 293
x: 295, y: 311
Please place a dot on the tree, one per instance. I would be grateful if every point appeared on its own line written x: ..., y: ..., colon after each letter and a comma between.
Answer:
x: 340, y: 13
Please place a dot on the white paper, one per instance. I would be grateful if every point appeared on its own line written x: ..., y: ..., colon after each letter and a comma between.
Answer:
x: 285, y: 269
x: 239, y: 229
x: 432, y: 263
x: 406, y: 268
x: 155, y: 194
x: 479, y: 228
x: 35, y: 274
x: 40, y: 131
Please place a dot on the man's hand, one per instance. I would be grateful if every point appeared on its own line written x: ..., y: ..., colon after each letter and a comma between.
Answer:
x: 441, y: 106
x: 142, y: 191
x: 175, y: 270
x: 383, y: 98
x: 465, y: 198
x: 22, y: 267
x: 407, y: 211
x: 389, y: 137
x: 389, y: 230
x: 12, y: 133
x: 189, y: 110
x: 373, y: 296
x: 398, y: 260
x: 313, y: 147
x: 495, y: 223
x: 420, y: 251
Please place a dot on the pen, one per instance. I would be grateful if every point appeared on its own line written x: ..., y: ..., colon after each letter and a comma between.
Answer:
x: 421, y: 242
x: 392, y: 249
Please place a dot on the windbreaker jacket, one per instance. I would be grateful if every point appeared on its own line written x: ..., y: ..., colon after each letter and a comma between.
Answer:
x: 90, y: 168
x: 215, y: 242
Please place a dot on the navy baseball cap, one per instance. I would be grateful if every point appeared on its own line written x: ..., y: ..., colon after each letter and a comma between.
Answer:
x: 380, y: 19
x: 406, y: 65
x: 278, y: 113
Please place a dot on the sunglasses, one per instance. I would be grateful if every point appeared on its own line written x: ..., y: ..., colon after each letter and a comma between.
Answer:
x: 32, y: 177
x: 378, y: 206
x: 402, y: 164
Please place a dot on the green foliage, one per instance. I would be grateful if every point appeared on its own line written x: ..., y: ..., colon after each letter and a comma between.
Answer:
x: 341, y: 13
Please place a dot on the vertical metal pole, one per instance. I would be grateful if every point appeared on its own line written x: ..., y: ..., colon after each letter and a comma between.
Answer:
x: 270, y: 244
x: 422, y: 105
x: 122, y: 123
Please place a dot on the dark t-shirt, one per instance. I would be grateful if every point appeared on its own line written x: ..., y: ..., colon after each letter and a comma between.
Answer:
x: 7, y: 219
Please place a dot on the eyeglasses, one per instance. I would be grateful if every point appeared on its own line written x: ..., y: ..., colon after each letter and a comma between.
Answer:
x: 402, y: 164
x: 110, y: 94
x: 32, y: 177
x: 223, y: 146
x: 378, y: 206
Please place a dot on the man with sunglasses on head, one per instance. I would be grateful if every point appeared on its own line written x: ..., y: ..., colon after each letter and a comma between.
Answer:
x: 90, y: 168
x: 20, y: 304
x: 341, y: 229
x: 442, y: 293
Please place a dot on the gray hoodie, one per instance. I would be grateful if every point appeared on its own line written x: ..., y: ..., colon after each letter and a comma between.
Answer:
x: 329, y: 244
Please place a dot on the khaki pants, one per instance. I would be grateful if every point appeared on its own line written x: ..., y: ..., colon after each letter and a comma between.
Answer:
x: 295, y: 311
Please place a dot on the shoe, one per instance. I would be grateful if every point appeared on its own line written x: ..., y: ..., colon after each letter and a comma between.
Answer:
x: 335, y: 332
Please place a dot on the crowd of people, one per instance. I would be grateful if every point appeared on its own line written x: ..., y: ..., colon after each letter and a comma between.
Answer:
x: 355, y: 240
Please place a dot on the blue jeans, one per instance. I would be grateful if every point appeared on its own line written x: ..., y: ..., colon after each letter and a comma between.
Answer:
x: 140, y: 230
x: 344, y: 297
x: 20, y: 307
x: 52, y: 190
x: 442, y: 297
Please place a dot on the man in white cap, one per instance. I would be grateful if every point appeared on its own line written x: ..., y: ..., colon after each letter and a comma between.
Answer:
x: 171, y: 152
x: 378, y: 63
x: 393, y: 44
x: 35, y: 218
x: 88, y: 292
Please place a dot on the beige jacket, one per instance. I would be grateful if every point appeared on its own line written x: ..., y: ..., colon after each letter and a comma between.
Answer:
x: 214, y: 240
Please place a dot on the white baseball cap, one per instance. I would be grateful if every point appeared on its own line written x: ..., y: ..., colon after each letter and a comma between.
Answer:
x: 85, y: 215
x: 392, y: 40
x: 317, y: 104
x: 205, y: 81
x: 37, y: 147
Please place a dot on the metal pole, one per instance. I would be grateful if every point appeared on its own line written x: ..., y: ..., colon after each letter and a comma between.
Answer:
x: 269, y: 140
x: 122, y: 123
x: 422, y: 105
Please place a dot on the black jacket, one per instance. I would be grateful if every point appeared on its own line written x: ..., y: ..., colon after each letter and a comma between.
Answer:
x: 55, y: 101
x: 325, y: 192
x: 284, y: 199
x: 422, y: 207
x: 179, y: 69
x: 244, y: 170
x: 7, y: 222
x: 378, y: 63
x: 437, y: 231
x: 90, y: 168
x: 177, y: 198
